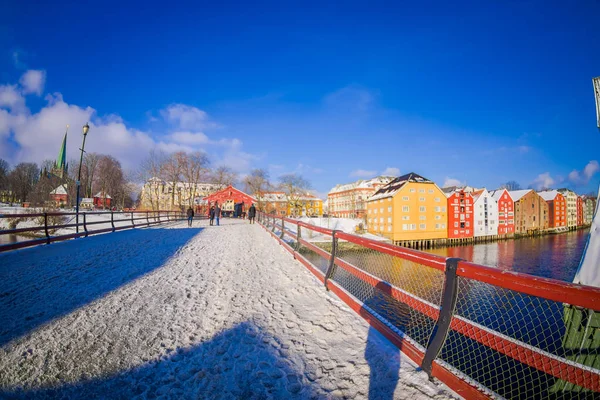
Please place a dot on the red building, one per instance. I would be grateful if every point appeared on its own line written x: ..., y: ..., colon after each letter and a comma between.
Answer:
x: 460, y: 214
x: 557, y: 208
x: 59, y: 196
x: 506, y: 211
x: 229, y: 198
x: 102, y: 200
x: 579, y: 210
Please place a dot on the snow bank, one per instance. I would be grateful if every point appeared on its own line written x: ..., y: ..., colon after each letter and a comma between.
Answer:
x: 186, y: 313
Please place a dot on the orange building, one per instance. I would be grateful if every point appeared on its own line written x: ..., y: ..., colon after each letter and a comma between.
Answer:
x: 579, y: 210
x: 557, y: 208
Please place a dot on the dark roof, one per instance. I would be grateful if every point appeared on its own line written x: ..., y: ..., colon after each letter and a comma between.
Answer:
x: 397, y: 183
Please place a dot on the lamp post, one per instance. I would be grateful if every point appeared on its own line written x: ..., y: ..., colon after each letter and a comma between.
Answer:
x: 86, y: 128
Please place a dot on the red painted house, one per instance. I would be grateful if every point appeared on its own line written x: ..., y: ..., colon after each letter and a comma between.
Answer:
x: 579, y: 210
x: 228, y: 198
x: 59, y: 196
x: 460, y: 214
x: 557, y: 208
x: 506, y: 211
x: 102, y: 200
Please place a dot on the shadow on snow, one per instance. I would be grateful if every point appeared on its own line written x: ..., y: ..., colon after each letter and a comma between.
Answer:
x: 42, y: 283
x: 243, y: 362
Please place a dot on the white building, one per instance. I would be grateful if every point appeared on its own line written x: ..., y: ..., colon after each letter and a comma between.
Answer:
x: 571, y: 198
x: 349, y: 200
x: 485, y: 216
x: 161, y: 195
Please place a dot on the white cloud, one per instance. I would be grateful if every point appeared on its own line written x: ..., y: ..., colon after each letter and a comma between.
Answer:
x: 185, y: 117
x: 580, y: 178
x: 33, y: 81
x: 11, y: 98
x: 391, y: 171
x: 453, y: 182
x: 362, y: 173
x: 35, y: 137
x: 543, y: 181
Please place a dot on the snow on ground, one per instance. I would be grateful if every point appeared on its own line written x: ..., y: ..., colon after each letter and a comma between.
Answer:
x: 347, y: 225
x: 177, y: 312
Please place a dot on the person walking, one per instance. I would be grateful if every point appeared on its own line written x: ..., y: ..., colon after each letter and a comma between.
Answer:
x: 217, y: 213
x: 252, y: 213
x: 190, y: 216
x: 211, y: 215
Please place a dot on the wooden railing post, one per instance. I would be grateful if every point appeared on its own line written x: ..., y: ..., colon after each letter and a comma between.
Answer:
x: 442, y: 326
x: 132, y: 223
x: 148, y: 217
x: 112, y: 220
x: 85, y: 224
x: 282, y: 228
x: 273, y: 227
x: 298, y: 237
x: 46, y: 228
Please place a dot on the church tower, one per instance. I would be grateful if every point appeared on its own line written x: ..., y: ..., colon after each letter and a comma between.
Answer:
x: 60, y: 166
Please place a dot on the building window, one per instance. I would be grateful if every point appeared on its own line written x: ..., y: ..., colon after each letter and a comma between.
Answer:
x: 389, y: 220
x: 405, y: 198
x: 443, y: 226
x: 422, y: 217
x: 405, y: 208
x: 381, y: 220
x: 389, y: 228
x: 381, y: 210
x: 421, y: 190
x: 430, y: 190
x: 375, y: 211
x: 456, y: 224
x: 438, y: 217
x: 437, y: 226
x: 405, y: 217
x: 422, y: 209
x: 437, y: 208
x: 444, y: 209
x: 462, y: 224
x: 455, y: 232
x: 456, y: 208
x: 412, y: 190
x: 437, y: 199
x: 390, y: 209
x: 468, y: 224
x: 421, y: 226
x: 421, y: 198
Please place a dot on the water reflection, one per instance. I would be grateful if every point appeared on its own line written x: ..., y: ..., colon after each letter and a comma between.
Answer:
x: 552, y: 256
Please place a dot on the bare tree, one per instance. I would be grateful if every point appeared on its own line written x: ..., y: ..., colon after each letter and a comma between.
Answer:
x: 294, y: 187
x: 195, y: 171
x: 4, y: 172
x: 111, y: 180
x: 257, y: 183
x: 511, y: 185
x: 150, y: 173
x: 22, y: 180
x: 172, y: 171
x: 89, y: 170
x: 224, y: 176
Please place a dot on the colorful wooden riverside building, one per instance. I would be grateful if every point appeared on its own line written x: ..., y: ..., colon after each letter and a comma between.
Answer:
x: 506, y: 211
x: 233, y: 202
x: 557, y: 209
x: 580, y: 211
x: 531, y: 212
x: 485, y: 215
x: 410, y: 211
x: 460, y: 214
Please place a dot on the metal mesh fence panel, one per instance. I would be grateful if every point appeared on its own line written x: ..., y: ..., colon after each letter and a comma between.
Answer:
x: 499, y: 337
x: 412, y: 307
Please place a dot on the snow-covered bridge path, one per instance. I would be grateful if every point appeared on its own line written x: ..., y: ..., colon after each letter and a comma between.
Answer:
x: 177, y: 312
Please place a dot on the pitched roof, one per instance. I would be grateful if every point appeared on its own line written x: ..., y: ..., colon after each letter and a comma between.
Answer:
x: 103, y: 195
x: 394, y: 186
x: 518, y: 194
x: 496, y: 194
x: 62, y: 189
x: 362, y: 184
x: 549, y: 195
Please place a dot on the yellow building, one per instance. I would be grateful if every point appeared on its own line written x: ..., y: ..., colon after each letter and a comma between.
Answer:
x: 296, y: 206
x: 408, y: 208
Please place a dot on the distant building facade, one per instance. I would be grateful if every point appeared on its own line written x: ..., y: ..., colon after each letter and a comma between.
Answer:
x: 102, y: 200
x: 280, y: 203
x: 579, y: 211
x: 531, y: 211
x: 506, y: 211
x: 349, y: 200
x: 589, y: 205
x: 557, y: 208
x: 409, y: 207
x: 60, y: 196
x: 571, y: 199
x: 460, y: 214
x: 485, y: 214
x: 161, y: 195
x: 230, y: 198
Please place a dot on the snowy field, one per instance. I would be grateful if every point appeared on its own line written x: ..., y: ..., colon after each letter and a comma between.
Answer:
x: 176, y: 312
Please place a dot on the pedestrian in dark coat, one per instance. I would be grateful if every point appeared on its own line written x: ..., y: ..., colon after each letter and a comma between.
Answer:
x: 252, y: 213
x: 211, y: 215
x: 190, y: 216
x: 217, y: 213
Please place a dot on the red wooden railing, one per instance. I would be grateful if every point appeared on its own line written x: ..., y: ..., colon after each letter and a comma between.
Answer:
x: 522, y: 291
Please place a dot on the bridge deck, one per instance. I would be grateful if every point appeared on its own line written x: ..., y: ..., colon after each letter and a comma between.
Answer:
x: 186, y: 312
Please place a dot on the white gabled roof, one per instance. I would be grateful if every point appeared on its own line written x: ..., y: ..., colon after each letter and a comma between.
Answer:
x: 363, y: 184
x: 62, y: 189
x: 496, y: 194
x: 548, y: 195
x: 518, y: 194
x: 103, y: 195
x: 87, y: 200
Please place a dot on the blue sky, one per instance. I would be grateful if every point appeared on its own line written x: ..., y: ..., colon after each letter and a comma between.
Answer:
x: 458, y: 92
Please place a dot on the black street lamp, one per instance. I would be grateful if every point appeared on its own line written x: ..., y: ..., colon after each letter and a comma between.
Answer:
x: 86, y: 128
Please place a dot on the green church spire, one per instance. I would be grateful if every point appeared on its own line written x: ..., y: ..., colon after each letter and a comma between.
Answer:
x: 61, y: 161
